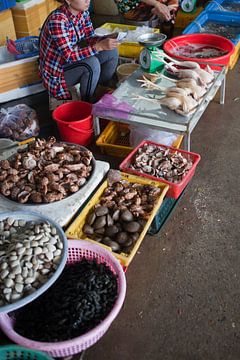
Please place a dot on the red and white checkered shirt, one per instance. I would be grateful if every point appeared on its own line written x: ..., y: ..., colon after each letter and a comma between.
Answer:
x: 59, y: 46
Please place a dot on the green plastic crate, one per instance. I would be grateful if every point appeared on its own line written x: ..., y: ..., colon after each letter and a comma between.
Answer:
x: 14, y: 352
x: 162, y: 215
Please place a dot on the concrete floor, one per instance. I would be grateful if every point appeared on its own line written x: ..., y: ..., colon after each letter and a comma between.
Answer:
x: 183, y: 290
x: 183, y: 295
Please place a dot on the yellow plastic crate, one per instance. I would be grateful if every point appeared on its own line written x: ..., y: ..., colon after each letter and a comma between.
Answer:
x: 114, y: 140
x: 235, y: 56
x: 75, y: 229
x: 184, y: 19
x: 127, y: 49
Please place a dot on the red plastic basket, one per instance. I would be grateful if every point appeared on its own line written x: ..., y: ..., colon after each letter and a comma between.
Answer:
x: 175, y: 189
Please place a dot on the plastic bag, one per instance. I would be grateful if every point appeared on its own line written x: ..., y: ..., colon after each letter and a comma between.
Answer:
x: 140, y: 133
x: 18, y: 122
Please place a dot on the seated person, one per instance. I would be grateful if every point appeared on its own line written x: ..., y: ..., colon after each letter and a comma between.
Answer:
x: 137, y: 10
x: 70, y: 54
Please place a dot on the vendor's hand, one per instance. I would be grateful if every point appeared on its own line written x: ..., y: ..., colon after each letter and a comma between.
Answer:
x: 106, y: 44
x: 162, y: 11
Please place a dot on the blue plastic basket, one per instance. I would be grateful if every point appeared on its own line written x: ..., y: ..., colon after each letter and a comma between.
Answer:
x: 222, y: 5
x: 6, y: 4
x: 26, y: 43
x: 14, y: 352
x: 219, y: 17
x: 3, y: 5
x: 10, y: 3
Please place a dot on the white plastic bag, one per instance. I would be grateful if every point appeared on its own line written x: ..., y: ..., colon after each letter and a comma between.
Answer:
x: 18, y: 122
x: 139, y: 133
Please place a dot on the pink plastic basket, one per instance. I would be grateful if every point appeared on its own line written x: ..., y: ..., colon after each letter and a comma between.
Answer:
x: 77, y: 249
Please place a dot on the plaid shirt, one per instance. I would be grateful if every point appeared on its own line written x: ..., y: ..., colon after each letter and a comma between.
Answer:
x: 58, y: 46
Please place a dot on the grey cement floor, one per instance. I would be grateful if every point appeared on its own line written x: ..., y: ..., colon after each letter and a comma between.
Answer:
x: 183, y: 295
x: 183, y: 286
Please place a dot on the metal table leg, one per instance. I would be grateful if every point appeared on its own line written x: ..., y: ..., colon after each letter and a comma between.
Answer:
x: 96, y: 125
x: 223, y: 91
x: 187, y: 142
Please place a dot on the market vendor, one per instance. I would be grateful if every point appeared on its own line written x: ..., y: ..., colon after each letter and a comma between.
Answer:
x: 70, y: 54
x: 137, y: 10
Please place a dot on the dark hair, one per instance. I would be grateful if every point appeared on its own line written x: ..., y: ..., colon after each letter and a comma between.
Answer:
x: 61, y: 1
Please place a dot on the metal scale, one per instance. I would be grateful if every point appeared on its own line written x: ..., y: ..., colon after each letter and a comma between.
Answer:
x: 148, y: 61
x: 188, y: 6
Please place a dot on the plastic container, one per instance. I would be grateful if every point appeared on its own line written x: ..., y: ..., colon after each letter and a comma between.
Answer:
x: 127, y: 49
x: 175, y: 189
x: 125, y: 70
x: 75, y: 122
x: 234, y: 57
x: 6, y: 4
x: 220, y: 5
x: 17, y: 74
x: 183, y: 19
x: 14, y: 352
x: 208, y: 39
x: 162, y: 215
x: 114, y: 140
x: 32, y: 216
x: 75, y: 229
x: 77, y: 249
x: 219, y: 17
x: 25, y: 42
x: 10, y: 3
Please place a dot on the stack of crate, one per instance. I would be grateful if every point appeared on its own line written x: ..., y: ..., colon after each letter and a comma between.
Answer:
x: 6, y: 26
x: 29, y: 16
x: 52, y: 5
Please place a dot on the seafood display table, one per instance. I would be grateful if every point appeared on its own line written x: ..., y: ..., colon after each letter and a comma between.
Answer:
x: 63, y: 211
x: 122, y: 106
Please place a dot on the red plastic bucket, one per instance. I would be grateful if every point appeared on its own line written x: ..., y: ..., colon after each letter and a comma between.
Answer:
x: 75, y: 122
x: 206, y: 39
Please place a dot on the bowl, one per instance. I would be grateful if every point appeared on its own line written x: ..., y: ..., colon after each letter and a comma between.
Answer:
x: 149, y: 40
x: 125, y: 70
x: 31, y: 216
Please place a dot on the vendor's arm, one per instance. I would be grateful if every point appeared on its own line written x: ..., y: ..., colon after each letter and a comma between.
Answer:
x: 89, y: 31
x: 58, y: 28
x: 99, y: 45
x: 159, y: 9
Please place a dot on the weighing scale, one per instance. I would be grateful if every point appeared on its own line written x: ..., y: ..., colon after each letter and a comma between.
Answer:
x: 148, y: 61
x: 188, y: 6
